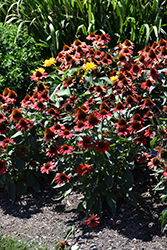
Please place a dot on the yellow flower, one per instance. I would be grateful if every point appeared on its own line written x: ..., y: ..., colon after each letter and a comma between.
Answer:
x: 90, y: 65
x: 48, y: 63
x: 113, y: 78
x: 41, y: 70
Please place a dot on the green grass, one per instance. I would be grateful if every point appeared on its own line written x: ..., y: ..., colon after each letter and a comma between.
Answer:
x: 7, y: 243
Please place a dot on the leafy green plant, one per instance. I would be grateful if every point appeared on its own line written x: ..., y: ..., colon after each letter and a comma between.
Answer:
x: 55, y: 23
x: 17, y: 58
x: 88, y: 125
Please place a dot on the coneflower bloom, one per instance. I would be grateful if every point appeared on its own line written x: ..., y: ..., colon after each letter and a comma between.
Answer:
x: 93, y: 120
x: 80, y: 114
x: 3, y: 166
x: 48, y: 134
x: 84, y: 168
x: 135, y: 126
x: 16, y: 115
x: 80, y: 126
x: 3, y: 128
x: 99, y: 54
x: 103, y: 114
x: 61, y: 178
x: 53, y: 112
x: 147, y: 84
x: 22, y: 150
x: 2, y: 118
x: 86, y: 143
x: 91, y: 36
x: 119, y: 107
x: 121, y: 122
x: 43, y: 96
x: 122, y: 130
x: 7, y: 141
x: 57, y: 127
x: 66, y: 149
x: 93, y: 221
x: 24, y: 124
x: 52, y: 151
x: 38, y: 74
x: 39, y: 106
x: 28, y: 101
x: 154, y: 163
x: 136, y: 117
x: 102, y: 146
x: 5, y: 91
x: 66, y: 133
x: 11, y: 97
x: 153, y: 73
x: 148, y: 103
x: 105, y: 106
x: 47, y: 167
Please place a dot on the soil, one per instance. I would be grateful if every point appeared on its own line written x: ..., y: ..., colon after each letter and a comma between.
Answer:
x: 36, y: 217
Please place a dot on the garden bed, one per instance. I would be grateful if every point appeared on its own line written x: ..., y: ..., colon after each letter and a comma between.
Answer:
x: 36, y: 217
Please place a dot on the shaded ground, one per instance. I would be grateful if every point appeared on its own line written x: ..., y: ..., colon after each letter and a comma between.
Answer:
x: 36, y: 216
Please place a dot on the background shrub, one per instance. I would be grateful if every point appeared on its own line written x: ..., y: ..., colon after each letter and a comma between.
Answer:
x: 17, y: 58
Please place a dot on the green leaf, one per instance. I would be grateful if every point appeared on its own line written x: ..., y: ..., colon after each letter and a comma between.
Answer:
x: 11, y: 189
x: 18, y: 164
x: 98, y: 207
x: 128, y: 178
x: 152, y: 142
x: 109, y: 181
x: 21, y: 188
x: 112, y: 202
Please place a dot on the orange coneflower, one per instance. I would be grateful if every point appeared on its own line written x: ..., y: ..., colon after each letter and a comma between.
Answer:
x: 16, y: 115
x: 48, y: 134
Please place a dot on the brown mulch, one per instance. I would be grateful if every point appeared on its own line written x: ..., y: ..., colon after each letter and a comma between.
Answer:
x: 36, y: 217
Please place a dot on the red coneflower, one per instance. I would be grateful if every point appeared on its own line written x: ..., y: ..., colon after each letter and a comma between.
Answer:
x: 2, y: 118
x: 148, y: 103
x: 57, y: 127
x: 154, y: 163
x: 3, y: 128
x: 119, y: 107
x: 93, y: 120
x: 22, y: 150
x: 7, y: 141
x: 16, y: 115
x: 23, y: 124
x: 66, y: 149
x: 39, y: 106
x: 136, y: 117
x: 66, y: 133
x: 102, y: 146
x: 43, y: 96
x: 103, y: 114
x: 84, y: 168
x: 61, y: 177
x: 52, y: 151
x: 47, y: 167
x: 93, y: 221
x: 86, y: 143
x: 80, y: 126
x: 136, y: 125
x: 48, y: 134
x: 122, y: 130
x: 3, y: 166
x: 80, y: 114
x: 38, y: 74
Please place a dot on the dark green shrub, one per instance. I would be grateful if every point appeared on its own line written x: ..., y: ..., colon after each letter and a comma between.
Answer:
x: 17, y: 58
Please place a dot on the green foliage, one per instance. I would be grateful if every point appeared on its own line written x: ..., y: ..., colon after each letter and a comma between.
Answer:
x: 17, y: 58
x: 55, y: 23
x: 15, y: 244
